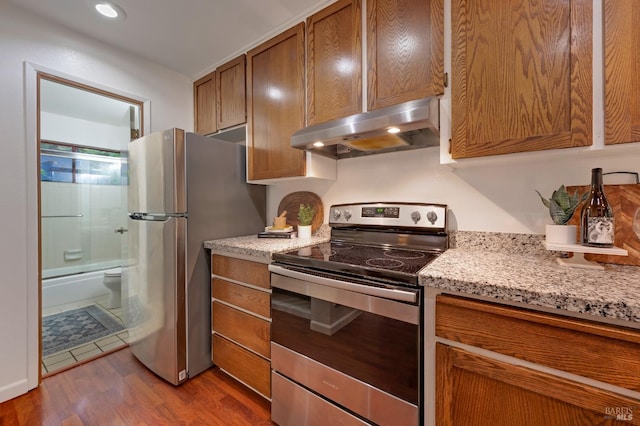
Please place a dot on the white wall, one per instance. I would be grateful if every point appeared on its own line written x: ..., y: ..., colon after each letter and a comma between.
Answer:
x: 27, y: 38
x: 60, y: 128
x: 495, y: 195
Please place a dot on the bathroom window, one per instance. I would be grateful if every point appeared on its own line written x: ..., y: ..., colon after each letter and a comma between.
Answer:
x: 60, y: 162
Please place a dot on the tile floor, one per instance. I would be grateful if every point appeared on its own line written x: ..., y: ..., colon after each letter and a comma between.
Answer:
x: 64, y: 359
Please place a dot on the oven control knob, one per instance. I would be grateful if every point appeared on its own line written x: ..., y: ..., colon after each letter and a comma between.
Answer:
x: 347, y: 214
x: 336, y: 214
x: 432, y: 217
x: 415, y: 216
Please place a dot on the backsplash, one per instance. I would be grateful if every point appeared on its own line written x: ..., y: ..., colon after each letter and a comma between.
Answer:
x: 481, y: 196
x: 507, y: 243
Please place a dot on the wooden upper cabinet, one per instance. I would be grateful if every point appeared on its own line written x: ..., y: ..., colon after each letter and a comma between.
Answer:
x: 405, y: 51
x: 276, y: 107
x: 622, y: 62
x: 204, y: 105
x: 334, y: 62
x: 231, y: 93
x: 521, y: 76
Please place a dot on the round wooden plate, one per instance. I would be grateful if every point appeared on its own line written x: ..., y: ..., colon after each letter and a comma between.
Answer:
x: 291, y: 203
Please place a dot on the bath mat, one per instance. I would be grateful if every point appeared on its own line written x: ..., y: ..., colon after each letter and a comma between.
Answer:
x: 65, y: 330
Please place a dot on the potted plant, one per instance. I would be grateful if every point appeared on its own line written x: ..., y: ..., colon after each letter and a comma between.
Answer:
x: 305, y: 216
x: 561, y: 207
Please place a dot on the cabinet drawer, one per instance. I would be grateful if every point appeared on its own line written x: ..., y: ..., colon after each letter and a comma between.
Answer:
x: 243, y: 297
x: 241, y: 270
x: 247, y: 330
x: 598, y: 351
x: 242, y: 364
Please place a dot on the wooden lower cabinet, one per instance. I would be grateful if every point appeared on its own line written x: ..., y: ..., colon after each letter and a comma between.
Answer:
x: 472, y: 389
x: 499, y: 365
x: 241, y: 320
x: 246, y: 366
x: 241, y: 270
x: 245, y: 329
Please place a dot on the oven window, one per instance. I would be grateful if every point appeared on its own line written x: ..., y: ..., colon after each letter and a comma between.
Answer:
x: 380, y: 351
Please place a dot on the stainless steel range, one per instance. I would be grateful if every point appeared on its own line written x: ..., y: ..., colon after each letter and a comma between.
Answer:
x: 346, y: 334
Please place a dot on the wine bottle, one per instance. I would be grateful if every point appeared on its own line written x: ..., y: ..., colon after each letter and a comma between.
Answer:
x: 597, y: 224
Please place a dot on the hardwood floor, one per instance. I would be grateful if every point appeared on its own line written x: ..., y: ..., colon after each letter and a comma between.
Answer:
x: 119, y: 390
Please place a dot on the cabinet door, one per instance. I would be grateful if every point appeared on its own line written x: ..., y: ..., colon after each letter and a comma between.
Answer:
x: 231, y: 93
x: 475, y: 390
x: 405, y: 51
x: 275, y: 88
x: 334, y: 62
x: 622, y: 62
x: 521, y: 76
x: 204, y: 104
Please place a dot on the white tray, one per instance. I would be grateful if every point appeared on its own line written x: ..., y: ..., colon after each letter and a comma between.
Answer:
x: 578, y: 260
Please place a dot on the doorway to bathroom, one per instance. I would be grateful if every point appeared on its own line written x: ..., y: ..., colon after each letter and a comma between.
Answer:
x: 83, y: 133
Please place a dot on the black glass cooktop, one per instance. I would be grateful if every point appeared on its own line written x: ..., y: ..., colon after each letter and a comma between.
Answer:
x: 389, y: 263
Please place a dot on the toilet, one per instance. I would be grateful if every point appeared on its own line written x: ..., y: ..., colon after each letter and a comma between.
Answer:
x: 111, y: 280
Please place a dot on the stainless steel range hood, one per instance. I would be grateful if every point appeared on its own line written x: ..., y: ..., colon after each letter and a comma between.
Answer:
x: 368, y: 133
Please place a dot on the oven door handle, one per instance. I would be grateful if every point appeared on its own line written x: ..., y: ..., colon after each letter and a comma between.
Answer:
x: 387, y: 293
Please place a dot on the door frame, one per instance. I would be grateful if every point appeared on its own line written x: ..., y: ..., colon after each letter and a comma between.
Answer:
x: 32, y: 73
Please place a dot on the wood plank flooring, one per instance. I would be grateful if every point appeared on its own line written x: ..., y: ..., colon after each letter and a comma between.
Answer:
x: 118, y: 390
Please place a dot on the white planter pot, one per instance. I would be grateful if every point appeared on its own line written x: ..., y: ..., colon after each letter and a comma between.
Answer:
x: 304, y: 232
x: 561, y: 234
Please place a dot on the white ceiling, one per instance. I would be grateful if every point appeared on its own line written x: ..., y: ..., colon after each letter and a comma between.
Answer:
x: 188, y: 36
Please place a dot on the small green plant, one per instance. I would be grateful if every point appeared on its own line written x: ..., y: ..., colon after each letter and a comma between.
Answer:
x: 562, y: 205
x: 306, y: 214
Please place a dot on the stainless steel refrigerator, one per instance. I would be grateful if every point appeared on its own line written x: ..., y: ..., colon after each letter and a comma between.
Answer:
x: 183, y: 189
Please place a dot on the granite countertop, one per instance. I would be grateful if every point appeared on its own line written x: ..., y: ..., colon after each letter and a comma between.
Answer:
x: 514, y: 270
x: 505, y: 267
x: 253, y: 246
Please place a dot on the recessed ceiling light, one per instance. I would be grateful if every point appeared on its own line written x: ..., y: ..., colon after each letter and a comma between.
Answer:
x: 393, y: 130
x: 110, y: 10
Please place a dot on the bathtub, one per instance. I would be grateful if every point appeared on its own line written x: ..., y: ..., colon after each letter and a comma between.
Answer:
x: 77, y: 287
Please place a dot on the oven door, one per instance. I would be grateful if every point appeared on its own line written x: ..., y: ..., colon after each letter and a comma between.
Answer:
x: 358, y: 346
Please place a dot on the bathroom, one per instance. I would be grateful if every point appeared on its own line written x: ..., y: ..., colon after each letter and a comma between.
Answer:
x: 83, y: 216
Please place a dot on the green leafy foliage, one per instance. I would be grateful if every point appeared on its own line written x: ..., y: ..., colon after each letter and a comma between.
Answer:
x: 306, y: 214
x: 562, y: 205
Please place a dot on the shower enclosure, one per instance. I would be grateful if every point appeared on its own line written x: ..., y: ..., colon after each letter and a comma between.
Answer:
x: 83, y: 136
x: 81, y: 207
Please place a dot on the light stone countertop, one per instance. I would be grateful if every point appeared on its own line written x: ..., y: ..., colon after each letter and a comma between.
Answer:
x: 263, y: 248
x: 512, y: 268
x: 517, y: 268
